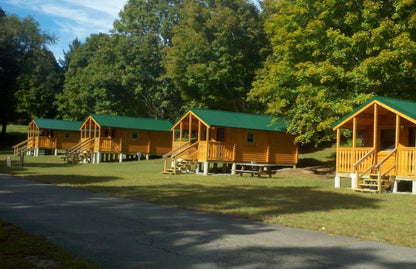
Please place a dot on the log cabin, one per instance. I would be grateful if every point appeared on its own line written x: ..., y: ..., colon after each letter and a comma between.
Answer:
x: 382, y: 153
x: 50, y: 135
x: 231, y: 138
x: 105, y: 137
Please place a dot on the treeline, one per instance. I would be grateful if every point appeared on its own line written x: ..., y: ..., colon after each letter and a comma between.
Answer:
x: 311, y: 61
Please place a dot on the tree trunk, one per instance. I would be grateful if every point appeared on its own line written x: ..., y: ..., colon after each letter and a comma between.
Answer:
x: 3, y: 129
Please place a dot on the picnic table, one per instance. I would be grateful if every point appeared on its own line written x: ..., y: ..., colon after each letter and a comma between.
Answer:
x: 254, y: 169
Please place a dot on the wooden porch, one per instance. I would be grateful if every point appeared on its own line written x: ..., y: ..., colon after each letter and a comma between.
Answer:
x: 381, y: 149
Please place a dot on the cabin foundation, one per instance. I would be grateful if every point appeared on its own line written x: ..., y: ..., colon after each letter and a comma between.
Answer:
x: 337, y: 182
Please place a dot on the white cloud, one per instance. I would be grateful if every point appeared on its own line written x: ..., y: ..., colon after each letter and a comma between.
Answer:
x: 74, y: 18
x: 111, y: 7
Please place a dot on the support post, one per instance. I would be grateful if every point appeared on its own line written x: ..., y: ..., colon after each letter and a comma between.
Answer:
x: 233, y: 168
x: 147, y: 157
x: 338, y: 145
x: 56, y: 152
x: 197, y: 168
x: 375, y: 129
x: 190, y: 128
x: 337, y: 182
x: 395, y: 187
x: 354, y: 133
x: 354, y: 182
x: 206, y: 167
x: 120, y: 158
x: 22, y: 158
x: 414, y: 187
x: 98, y: 157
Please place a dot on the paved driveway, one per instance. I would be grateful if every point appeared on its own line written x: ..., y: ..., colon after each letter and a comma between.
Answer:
x: 118, y: 233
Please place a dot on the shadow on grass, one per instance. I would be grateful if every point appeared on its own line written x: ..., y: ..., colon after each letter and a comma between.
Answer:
x: 253, y: 202
x: 70, y: 179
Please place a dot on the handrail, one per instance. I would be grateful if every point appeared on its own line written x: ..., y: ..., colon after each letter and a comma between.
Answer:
x: 80, y: 145
x: 388, y: 171
x: 185, y: 149
x: 365, y: 171
x: 23, y: 142
x: 178, y: 148
x: 385, y: 158
x: 363, y: 158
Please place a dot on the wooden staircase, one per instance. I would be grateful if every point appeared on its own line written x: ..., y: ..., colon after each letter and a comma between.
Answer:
x: 23, y: 147
x: 181, y: 159
x: 79, y: 152
x: 372, y: 184
x: 377, y: 181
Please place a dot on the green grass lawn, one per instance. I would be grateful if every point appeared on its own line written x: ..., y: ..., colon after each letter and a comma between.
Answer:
x: 289, y: 198
x: 19, y: 249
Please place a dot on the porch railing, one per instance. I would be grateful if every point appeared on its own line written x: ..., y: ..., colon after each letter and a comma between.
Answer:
x: 406, y: 161
x: 350, y: 159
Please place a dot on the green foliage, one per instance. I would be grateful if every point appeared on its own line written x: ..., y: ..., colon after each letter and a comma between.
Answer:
x: 217, y: 46
x: 19, y: 38
x: 147, y: 27
x: 330, y: 56
x: 123, y: 73
x: 96, y: 80
x: 41, y: 80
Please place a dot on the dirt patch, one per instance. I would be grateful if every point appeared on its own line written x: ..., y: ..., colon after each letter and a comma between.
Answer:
x: 310, y: 171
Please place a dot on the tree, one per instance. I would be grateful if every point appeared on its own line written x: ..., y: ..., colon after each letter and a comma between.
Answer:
x: 330, y: 56
x: 123, y: 72
x: 216, y: 49
x: 94, y: 80
x: 147, y: 28
x: 40, y: 81
x: 67, y: 54
x: 18, y: 39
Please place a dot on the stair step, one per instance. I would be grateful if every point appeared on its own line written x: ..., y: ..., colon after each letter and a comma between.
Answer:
x: 372, y: 185
x: 365, y: 190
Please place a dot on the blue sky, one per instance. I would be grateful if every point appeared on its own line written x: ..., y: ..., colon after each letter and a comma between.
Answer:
x: 67, y: 19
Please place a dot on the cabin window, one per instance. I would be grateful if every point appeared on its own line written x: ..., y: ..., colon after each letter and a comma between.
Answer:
x: 67, y: 134
x: 106, y: 133
x: 134, y: 135
x: 42, y: 133
x: 250, y: 138
x: 387, y: 140
x: 221, y: 134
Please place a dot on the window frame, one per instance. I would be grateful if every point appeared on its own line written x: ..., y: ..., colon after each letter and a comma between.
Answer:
x: 134, y: 135
x: 250, y: 136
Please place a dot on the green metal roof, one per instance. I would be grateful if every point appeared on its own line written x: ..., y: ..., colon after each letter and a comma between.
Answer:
x: 240, y: 120
x: 405, y: 107
x: 132, y: 123
x: 58, y: 124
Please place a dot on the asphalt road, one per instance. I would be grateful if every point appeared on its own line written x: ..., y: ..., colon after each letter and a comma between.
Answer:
x: 119, y: 233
